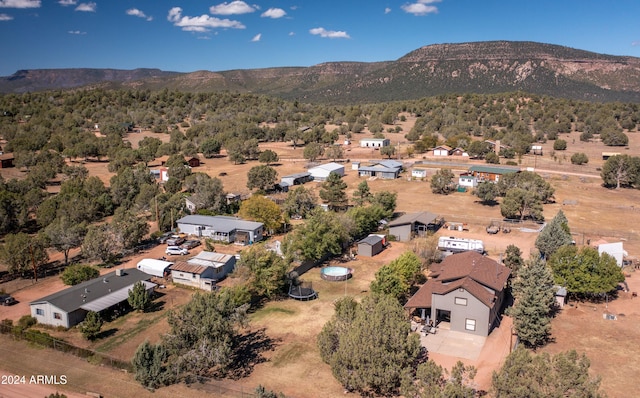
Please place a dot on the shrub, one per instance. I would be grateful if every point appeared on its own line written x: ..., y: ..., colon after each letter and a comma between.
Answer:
x: 579, y: 158
x: 560, y: 145
x: 26, y: 321
x: 75, y: 274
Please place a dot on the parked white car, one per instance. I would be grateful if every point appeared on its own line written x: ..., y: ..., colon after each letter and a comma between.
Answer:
x: 176, y: 250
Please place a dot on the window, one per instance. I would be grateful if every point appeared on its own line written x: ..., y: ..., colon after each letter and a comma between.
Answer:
x: 193, y: 276
x: 39, y: 311
x: 470, y: 324
x: 57, y: 315
x: 460, y: 301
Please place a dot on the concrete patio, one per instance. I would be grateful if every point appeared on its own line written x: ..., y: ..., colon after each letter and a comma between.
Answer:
x: 451, y: 343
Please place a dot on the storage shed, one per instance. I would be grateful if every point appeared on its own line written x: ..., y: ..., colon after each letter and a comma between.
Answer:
x: 408, y: 225
x: 371, y: 245
x: 321, y: 173
x: 153, y: 267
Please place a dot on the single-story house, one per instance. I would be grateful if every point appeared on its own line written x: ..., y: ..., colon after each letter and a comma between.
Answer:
x: 153, y: 267
x: 380, y: 171
x: 491, y: 173
x: 417, y: 172
x: 69, y: 307
x: 374, y: 142
x: 203, y: 270
x: 467, y: 180
x: 536, y: 149
x: 607, y: 155
x: 297, y: 178
x: 442, y: 150
x: 371, y: 245
x: 222, y: 228
x: 408, y: 225
x: 6, y: 160
x: 466, y: 290
x: 321, y: 173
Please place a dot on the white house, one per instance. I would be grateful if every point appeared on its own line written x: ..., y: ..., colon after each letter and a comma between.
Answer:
x: 374, y: 142
x: 321, y: 173
x: 222, y: 228
x: 418, y: 173
x: 69, y: 307
x: 204, y: 270
x: 467, y: 180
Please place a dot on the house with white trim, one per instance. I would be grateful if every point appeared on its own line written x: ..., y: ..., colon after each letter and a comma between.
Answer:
x: 374, y: 142
x: 222, y: 228
x: 70, y: 306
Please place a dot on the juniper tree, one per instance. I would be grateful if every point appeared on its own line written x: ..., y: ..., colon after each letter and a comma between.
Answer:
x: 139, y: 299
x: 534, y: 300
x: 554, y: 235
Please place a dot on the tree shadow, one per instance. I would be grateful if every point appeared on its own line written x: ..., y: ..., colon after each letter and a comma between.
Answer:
x: 106, y: 333
x: 249, y: 353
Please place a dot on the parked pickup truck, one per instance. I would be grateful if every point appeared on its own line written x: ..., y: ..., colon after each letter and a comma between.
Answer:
x: 493, y: 228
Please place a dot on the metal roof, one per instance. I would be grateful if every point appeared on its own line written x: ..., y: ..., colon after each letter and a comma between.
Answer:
x: 410, y: 218
x: 298, y: 175
x: 188, y: 267
x: 494, y: 170
x: 221, y: 223
x: 114, y: 298
x: 371, y: 240
x: 75, y: 297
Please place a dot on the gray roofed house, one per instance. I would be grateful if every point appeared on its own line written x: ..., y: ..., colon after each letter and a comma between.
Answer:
x: 297, y: 178
x: 410, y: 224
x: 69, y: 307
x: 222, y: 228
x: 204, y: 270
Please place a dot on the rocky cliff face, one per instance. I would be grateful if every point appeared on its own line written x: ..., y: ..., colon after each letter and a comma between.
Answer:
x: 482, y: 67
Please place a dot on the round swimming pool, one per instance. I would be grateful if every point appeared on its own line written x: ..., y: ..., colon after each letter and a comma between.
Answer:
x: 336, y: 273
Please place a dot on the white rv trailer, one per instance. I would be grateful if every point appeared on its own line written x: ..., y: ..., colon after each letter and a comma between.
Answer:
x: 457, y: 245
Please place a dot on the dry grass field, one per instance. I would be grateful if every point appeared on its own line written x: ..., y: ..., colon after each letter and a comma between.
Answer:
x: 293, y: 364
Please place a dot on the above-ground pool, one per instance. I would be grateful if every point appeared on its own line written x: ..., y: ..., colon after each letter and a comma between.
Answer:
x: 335, y: 273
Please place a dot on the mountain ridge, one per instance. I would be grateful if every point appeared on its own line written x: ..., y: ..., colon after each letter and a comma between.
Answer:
x: 474, y: 67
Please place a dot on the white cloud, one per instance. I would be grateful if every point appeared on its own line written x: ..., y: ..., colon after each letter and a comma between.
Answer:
x: 233, y: 8
x: 292, y: 33
x: 331, y: 34
x: 635, y: 43
x: 87, y: 7
x: 387, y: 10
x: 421, y: 7
x: 257, y: 37
x: 67, y: 2
x: 203, y: 23
x: 274, y: 13
x: 5, y: 17
x: 19, y: 3
x: 76, y: 32
x: 137, y: 13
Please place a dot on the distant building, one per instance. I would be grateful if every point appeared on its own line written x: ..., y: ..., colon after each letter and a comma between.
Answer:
x: 442, y: 150
x: 374, y: 142
x: 297, y: 178
x: 405, y: 227
x: 6, y: 160
x: 222, y: 228
x: 321, y: 173
x: 69, y: 307
x: 467, y: 180
x: 491, y: 173
x: 386, y: 169
x: 418, y: 172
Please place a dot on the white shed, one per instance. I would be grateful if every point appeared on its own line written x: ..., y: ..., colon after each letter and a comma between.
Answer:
x: 374, y: 142
x: 418, y: 173
x: 615, y: 250
x: 151, y: 266
x: 320, y: 173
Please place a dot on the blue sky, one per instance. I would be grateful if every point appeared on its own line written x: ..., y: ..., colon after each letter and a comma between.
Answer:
x: 187, y: 36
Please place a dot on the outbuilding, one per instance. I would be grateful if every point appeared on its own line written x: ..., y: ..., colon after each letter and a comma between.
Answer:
x: 321, y: 173
x: 157, y: 268
x: 418, y: 224
x: 371, y: 245
x: 374, y: 142
x: 418, y: 172
x: 222, y: 228
x: 442, y: 150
